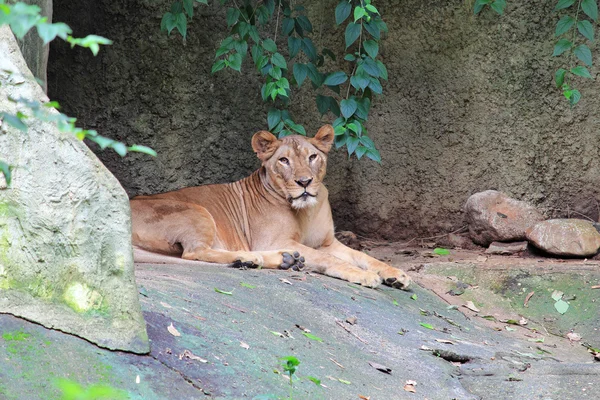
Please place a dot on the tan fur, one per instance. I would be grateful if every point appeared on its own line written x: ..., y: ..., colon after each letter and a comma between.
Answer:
x: 260, y: 217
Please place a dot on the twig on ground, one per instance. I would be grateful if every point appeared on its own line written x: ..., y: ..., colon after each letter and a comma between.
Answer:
x: 337, y: 321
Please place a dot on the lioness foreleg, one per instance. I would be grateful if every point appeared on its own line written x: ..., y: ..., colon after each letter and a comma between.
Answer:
x: 326, y: 264
x: 391, y: 276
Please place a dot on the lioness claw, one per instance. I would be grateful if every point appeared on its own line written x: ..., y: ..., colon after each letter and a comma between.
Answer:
x: 295, y: 261
x: 243, y: 265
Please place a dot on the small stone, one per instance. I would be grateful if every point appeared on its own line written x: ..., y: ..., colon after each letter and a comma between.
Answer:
x: 565, y: 237
x: 506, y: 249
x: 493, y: 216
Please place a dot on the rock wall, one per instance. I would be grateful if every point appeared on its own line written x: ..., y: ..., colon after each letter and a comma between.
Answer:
x: 470, y: 105
x: 65, y: 232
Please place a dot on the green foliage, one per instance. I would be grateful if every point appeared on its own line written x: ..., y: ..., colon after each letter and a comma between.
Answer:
x: 570, y: 45
x: 345, y: 95
x: 73, y: 391
x: 21, y: 18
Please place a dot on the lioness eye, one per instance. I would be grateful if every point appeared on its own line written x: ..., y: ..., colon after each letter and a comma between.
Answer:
x: 284, y: 160
x: 312, y: 157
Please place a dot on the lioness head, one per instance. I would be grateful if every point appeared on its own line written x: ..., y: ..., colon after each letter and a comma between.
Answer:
x: 295, y: 165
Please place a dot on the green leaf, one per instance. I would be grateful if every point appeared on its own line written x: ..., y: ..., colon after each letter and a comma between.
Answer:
x: 314, y: 380
x: 224, y: 292
x: 590, y: 8
x: 233, y: 15
x: 340, y: 139
x: 371, y: 8
x: 561, y: 306
x: 217, y: 66
x: 269, y: 45
x: 287, y: 26
x: 441, y: 252
x: 344, y: 381
x: 241, y: 46
x: 188, y: 6
x: 322, y: 104
x: 352, y: 143
x: 278, y: 60
x: 349, y: 57
x: 371, y: 47
x: 575, y: 97
x: 428, y: 326
x: 180, y: 23
x: 352, y: 33
x: 14, y: 121
x: 359, y: 12
x: 498, y: 6
x: 374, y: 155
x: 559, y: 77
x: 304, y: 23
x: 414, y: 297
x: 119, y: 148
x: 479, y: 4
x: 142, y: 149
x: 360, y: 81
x: 371, y: 67
x: 247, y: 285
x: 584, y: 54
x: 309, y: 49
x: 562, y: 4
x: 586, y: 29
x: 375, y: 85
x: 342, y: 11
x: 48, y: 32
x: 294, y: 44
x: 314, y: 75
x: 564, y: 24
x: 235, y: 61
x: 273, y: 118
x: 6, y: 171
x: 336, y: 78
x: 382, y: 70
x: 300, y: 73
x: 373, y: 29
x: 360, y: 151
x: 348, y: 107
x: 561, y: 46
x: 582, y: 71
x: 311, y: 336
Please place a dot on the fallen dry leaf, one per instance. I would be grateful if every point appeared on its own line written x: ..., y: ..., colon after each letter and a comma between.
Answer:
x: 411, y: 382
x: 244, y: 345
x: 410, y: 388
x: 191, y: 356
x: 351, y: 320
x: 361, y: 397
x: 527, y: 298
x: 523, y: 321
x: 137, y: 379
x: 446, y: 341
x: 482, y: 258
x: 173, y: 331
x: 469, y: 304
x: 573, y: 337
x: 285, y: 281
x: 380, y: 367
x: 596, y: 287
x: 165, y: 305
x: 425, y: 348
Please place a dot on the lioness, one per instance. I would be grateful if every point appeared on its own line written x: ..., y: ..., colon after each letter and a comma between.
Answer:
x: 266, y: 219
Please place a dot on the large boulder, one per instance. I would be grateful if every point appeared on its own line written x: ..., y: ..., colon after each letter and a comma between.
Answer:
x: 65, y: 238
x: 493, y: 216
x: 565, y: 237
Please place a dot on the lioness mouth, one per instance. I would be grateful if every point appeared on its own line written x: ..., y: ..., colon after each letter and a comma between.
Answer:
x: 304, y: 196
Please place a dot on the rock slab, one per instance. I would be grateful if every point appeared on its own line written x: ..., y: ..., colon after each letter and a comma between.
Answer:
x: 494, y: 216
x: 565, y: 237
x: 65, y: 237
x: 506, y: 249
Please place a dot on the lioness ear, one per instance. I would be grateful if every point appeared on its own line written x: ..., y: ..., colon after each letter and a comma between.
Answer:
x: 323, y: 139
x: 264, y: 144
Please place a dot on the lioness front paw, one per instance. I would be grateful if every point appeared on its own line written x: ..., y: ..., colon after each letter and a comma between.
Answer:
x: 248, y: 260
x: 395, y: 278
x: 366, y: 278
x: 292, y: 260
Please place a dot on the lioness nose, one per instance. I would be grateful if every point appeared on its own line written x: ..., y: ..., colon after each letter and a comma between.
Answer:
x: 304, y: 181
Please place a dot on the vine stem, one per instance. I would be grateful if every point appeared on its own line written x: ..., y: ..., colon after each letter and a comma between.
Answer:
x: 238, y: 7
x: 571, y: 52
x: 356, y: 64
x: 277, y: 21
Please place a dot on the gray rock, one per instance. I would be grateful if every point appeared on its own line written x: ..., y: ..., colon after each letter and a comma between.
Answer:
x: 565, y: 237
x: 65, y: 236
x: 506, y: 249
x: 493, y: 216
